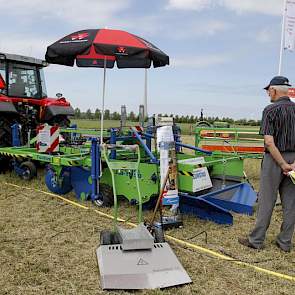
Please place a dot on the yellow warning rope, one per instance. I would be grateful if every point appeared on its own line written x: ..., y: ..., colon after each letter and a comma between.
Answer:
x: 181, y: 242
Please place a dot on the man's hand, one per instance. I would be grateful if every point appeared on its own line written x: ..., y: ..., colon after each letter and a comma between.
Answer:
x: 286, y: 168
x: 275, y: 153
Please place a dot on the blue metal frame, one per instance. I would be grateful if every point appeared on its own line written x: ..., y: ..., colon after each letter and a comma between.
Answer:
x: 213, y: 206
x: 147, y: 150
x: 204, y: 209
x: 113, y: 140
x: 95, y: 168
x: 191, y: 147
x: 15, y: 130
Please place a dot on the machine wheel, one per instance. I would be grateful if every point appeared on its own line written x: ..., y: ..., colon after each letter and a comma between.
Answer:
x: 29, y: 170
x: 106, y: 196
x: 115, y: 238
x: 4, y: 164
x: 5, y: 132
x: 59, y: 186
x: 159, y: 235
x: 105, y: 237
x: 151, y: 203
x: 203, y: 124
x: 61, y: 121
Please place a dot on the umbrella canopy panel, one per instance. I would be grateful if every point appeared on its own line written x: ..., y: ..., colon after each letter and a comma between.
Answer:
x: 91, y: 48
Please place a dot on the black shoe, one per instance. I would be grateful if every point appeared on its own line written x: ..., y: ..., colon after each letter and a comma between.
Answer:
x: 287, y: 250
x: 246, y: 242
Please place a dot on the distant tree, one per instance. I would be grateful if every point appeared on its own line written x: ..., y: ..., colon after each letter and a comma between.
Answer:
x: 97, y: 114
x: 115, y: 116
x: 88, y: 114
x: 77, y: 113
x: 107, y: 115
x: 131, y: 116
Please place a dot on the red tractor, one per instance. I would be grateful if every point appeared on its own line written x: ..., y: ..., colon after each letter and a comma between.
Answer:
x: 23, y: 98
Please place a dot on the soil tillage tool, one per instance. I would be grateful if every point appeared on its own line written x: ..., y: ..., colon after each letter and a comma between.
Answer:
x: 133, y: 258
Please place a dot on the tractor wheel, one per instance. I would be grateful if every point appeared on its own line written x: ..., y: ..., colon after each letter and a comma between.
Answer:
x: 159, y: 235
x: 106, y: 198
x: 4, y: 164
x: 61, y: 185
x: 61, y: 121
x: 105, y: 237
x: 5, y: 132
x: 29, y: 170
x: 5, y: 140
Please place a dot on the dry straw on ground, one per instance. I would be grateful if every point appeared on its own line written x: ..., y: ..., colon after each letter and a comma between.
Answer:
x: 48, y: 247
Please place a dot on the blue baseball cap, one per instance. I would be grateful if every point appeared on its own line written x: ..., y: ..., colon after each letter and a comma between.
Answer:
x: 278, y: 81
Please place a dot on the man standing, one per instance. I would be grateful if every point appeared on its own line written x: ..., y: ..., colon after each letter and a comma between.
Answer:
x: 278, y: 129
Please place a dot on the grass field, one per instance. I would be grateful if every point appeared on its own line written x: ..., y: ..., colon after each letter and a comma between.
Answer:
x: 186, y: 128
x: 48, y: 246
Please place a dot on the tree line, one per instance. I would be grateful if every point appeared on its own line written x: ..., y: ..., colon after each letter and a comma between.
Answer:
x: 131, y: 116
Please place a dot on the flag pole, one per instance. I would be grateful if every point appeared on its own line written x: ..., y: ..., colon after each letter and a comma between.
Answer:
x: 282, y: 37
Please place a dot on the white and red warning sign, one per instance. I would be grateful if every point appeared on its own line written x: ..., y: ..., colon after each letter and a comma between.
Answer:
x: 47, y: 139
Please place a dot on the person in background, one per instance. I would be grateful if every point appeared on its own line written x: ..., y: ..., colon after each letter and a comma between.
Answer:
x: 278, y: 129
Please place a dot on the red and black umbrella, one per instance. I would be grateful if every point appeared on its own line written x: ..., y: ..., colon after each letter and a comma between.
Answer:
x: 90, y: 48
x: 102, y: 48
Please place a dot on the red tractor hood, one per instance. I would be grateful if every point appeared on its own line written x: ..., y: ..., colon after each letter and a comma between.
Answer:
x: 44, y: 102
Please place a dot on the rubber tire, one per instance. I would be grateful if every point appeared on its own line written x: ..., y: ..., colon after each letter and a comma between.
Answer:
x: 159, y: 235
x: 106, y: 196
x: 203, y: 124
x: 105, y: 237
x: 115, y: 238
x: 151, y: 203
x: 62, y: 189
x: 5, y: 131
x: 62, y: 121
x: 30, y: 168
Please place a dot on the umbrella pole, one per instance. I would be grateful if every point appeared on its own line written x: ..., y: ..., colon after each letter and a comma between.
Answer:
x: 145, y: 94
x: 103, y: 96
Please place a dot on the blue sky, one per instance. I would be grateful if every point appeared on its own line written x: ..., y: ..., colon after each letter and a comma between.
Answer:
x: 222, y: 52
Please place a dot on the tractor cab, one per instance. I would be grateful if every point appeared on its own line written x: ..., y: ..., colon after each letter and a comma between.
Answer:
x: 23, y: 76
x: 24, y: 100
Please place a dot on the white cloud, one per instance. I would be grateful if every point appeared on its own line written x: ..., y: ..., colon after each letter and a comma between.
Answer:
x: 189, y: 4
x: 87, y: 12
x: 198, y: 62
x: 273, y: 7
x: 31, y: 46
x: 197, y: 29
x: 264, y: 36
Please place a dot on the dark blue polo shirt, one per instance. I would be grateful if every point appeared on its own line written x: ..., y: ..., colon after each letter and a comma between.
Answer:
x: 278, y: 120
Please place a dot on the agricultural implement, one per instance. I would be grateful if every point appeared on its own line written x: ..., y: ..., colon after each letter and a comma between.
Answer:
x: 80, y: 166
x: 230, y: 140
x: 136, y: 258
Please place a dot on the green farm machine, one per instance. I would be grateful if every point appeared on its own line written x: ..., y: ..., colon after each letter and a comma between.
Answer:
x: 79, y: 165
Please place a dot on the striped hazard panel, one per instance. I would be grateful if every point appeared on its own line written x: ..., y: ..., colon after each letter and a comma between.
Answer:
x: 19, y: 157
x: 185, y: 173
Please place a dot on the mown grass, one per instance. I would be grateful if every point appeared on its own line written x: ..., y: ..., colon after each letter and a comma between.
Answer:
x: 48, y: 246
